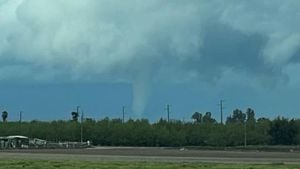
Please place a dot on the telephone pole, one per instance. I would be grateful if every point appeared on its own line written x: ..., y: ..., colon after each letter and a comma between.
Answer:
x: 81, y: 128
x: 245, y: 134
x: 221, y: 110
x: 20, y: 120
x: 123, y: 114
x: 168, y: 112
x: 77, y: 109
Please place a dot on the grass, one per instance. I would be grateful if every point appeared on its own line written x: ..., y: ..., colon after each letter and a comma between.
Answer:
x: 43, y: 164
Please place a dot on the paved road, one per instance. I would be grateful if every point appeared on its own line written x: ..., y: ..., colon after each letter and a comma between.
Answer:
x: 154, y: 154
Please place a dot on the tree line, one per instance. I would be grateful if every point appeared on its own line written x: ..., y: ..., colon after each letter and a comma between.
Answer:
x: 241, y: 128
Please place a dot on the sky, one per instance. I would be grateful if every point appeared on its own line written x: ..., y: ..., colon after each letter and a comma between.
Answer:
x: 105, y: 54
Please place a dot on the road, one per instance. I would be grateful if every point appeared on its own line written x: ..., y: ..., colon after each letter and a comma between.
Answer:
x: 154, y: 154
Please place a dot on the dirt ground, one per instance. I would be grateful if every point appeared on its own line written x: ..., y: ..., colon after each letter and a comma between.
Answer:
x: 154, y: 154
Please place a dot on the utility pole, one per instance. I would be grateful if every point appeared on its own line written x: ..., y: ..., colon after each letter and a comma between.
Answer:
x: 81, y: 128
x: 20, y: 117
x: 221, y: 110
x: 77, y: 109
x: 168, y: 112
x: 123, y: 114
x: 245, y: 134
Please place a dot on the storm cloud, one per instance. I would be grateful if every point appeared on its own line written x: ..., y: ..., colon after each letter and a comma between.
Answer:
x: 146, y: 42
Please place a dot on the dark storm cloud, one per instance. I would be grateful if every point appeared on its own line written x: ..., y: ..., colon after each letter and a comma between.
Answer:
x: 144, y: 42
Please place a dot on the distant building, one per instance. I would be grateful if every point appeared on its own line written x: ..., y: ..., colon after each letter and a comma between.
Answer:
x: 14, y: 142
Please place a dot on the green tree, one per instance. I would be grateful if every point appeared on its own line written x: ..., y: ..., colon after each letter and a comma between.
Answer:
x: 262, y: 129
x: 250, y: 115
x: 4, y: 116
x: 251, y: 121
x: 283, y: 131
x: 297, y: 139
x: 207, y: 119
x: 75, y: 116
x: 197, y: 117
x: 237, y: 117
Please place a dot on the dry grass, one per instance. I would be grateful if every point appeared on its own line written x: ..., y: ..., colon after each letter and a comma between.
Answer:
x: 53, y: 164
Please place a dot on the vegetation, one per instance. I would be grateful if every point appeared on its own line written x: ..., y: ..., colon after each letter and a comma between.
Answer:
x: 35, y: 164
x: 4, y: 116
x: 75, y: 116
x: 240, y: 129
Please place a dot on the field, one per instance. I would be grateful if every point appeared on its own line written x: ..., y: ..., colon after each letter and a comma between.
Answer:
x: 146, y: 158
x: 53, y: 164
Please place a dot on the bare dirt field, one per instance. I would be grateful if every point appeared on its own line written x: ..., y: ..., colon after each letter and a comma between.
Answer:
x: 154, y: 154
